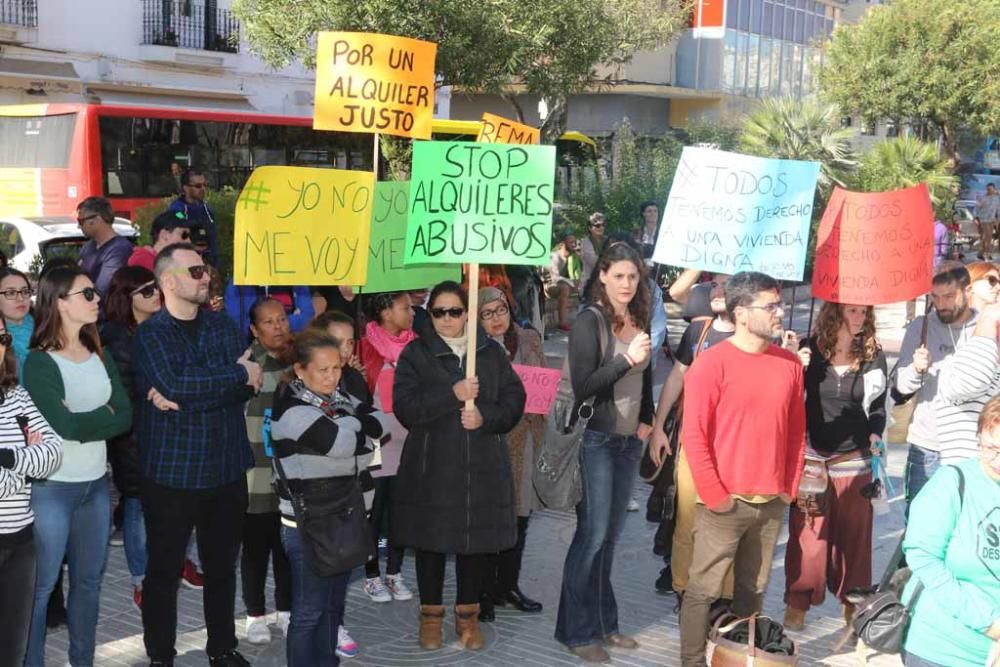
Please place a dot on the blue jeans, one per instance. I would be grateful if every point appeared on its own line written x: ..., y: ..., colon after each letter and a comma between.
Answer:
x: 134, y: 527
x: 317, y: 608
x: 912, y: 660
x: 609, y: 465
x: 72, y: 519
x: 921, y: 464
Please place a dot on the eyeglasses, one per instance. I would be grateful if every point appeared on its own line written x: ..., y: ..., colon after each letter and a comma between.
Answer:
x: 89, y: 293
x: 989, y: 453
x: 15, y: 294
x: 6, y: 339
x: 197, y: 271
x: 598, y: 224
x: 199, y: 186
x: 499, y: 311
x: 771, y: 308
x: 84, y: 219
x: 146, y: 291
x: 454, y: 313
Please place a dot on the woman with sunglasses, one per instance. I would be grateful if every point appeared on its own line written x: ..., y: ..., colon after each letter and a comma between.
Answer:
x: 954, y: 593
x: 29, y: 450
x: 15, y: 306
x: 454, y: 490
x: 592, y: 245
x: 522, y: 346
x: 133, y: 297
x: 389, y: 330
x: 79, y: 392
x: 612, y: 368
x: 985, y: 277
x: 845, y: 391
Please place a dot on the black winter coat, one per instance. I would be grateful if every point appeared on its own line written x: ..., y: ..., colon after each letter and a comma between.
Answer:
x: 454, y: 490
x: 123, y: 450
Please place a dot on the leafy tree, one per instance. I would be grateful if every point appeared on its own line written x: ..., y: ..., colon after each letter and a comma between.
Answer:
x: 551, y: 49
x: 904, y: 162
x: 801, y: 130
x: 931, y: 62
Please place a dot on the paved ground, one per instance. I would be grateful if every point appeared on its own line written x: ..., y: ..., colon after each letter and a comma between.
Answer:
x: 387, y: 632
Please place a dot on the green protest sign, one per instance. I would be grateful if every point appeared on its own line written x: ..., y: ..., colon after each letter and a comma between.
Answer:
x: 386, y: 272
x: 478, y: 202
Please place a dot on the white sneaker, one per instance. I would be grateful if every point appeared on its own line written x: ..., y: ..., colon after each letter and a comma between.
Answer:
x: 346, y: 647
x: 257, y: 630
x: 282, y: 619
x: 377, y: 591
x: 633, y: 505
x: 394, y: 583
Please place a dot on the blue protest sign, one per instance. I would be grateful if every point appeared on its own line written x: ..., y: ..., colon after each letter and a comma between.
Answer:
x: 729, y: 212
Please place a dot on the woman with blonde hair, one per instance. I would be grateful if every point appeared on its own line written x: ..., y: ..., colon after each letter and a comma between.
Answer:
x: 985, y: 277
x: 845, y: 386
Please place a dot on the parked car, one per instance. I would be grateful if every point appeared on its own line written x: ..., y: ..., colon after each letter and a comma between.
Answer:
x: 30, y: 242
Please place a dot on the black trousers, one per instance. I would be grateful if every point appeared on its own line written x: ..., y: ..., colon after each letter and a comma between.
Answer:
x: 170, y: 515
x: 503, y: 570
x: 379, y: 519
x: 469, y: 571
x: 261, y: 543
x: 17, y: 581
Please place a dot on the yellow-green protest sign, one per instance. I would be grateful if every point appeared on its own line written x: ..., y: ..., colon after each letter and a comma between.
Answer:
x: 366, y: 82
x: 474, y: 202
x: 499, y: 130
x: 303, y: 226
x: 386, y: 271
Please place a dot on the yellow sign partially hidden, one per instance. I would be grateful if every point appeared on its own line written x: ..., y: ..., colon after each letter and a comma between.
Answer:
x: 499, y: 130
x: 302, y: 226
x: 367, y: 82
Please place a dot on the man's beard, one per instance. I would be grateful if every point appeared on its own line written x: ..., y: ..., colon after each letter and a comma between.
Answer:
x: 950, y: 316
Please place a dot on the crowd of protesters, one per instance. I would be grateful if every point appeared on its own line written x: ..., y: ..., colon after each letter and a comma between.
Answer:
x: 310, y: 432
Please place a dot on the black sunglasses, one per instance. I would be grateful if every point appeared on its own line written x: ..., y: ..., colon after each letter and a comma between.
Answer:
x: 5, y: 339
x: 146, y: 291
x: 197, y: 271
x: 454, y: 313
x: 82, y: 220
x: 992, y: 280
x: 89, y: 293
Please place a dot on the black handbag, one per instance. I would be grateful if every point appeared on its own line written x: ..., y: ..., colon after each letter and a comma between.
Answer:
x: 330, y: 516
x: 881, y: 619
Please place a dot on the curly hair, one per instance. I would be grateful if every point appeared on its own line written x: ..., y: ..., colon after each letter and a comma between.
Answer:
x: 864, y: 347
x: 640, y: 306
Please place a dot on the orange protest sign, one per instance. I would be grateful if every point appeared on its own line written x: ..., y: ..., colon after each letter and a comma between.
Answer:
x: 499, y: 130
x: 373, y: 83
x: 875, y: 247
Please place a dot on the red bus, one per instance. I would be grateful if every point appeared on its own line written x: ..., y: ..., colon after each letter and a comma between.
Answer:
x: 54, y: 155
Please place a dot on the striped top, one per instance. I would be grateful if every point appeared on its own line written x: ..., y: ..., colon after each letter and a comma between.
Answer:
x: 964, y: 387
x: 36, y: 461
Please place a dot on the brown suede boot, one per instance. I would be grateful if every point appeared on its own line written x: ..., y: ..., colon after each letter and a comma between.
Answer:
x: 848, y: 613
x: 467, y: 626
x: 431, y: 619
x: 795, y: 619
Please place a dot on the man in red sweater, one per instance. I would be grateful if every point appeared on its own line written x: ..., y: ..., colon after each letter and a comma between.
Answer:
x: 744, y: 433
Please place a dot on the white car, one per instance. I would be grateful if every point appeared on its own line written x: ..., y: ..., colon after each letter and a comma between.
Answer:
x: 33, y: 241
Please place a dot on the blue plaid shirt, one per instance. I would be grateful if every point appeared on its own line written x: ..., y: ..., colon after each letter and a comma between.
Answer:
x: 204, y: 444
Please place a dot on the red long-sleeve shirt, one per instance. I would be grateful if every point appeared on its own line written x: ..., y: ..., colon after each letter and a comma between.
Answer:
x: 744, y: 423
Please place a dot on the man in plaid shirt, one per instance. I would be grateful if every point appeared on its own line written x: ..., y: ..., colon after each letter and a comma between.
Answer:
x: 196, y: 376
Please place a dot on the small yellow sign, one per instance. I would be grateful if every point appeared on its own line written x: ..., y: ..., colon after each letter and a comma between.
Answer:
x: 499, y: 130
x: 303, y: 226
x: 373, y: 83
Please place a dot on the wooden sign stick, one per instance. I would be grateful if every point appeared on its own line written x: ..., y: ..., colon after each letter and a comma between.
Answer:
x: 472, y: 326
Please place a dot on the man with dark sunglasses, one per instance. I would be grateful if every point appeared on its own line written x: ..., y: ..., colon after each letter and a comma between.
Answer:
x: 196, y: 377
x: 191, y: 203
x: 105, y: 251
x: 168, y: 228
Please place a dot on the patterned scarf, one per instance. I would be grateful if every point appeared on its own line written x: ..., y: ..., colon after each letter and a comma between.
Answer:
x: 336, y: 406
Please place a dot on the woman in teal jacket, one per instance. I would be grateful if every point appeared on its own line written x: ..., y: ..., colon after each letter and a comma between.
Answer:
x: 952, y: 545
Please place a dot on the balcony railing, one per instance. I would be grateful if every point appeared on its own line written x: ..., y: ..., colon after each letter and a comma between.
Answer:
x: 191, y: 24
x: 23, y: 13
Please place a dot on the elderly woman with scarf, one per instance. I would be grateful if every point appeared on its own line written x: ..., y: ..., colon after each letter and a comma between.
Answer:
x: 523, y: 346
x: 389, y: 330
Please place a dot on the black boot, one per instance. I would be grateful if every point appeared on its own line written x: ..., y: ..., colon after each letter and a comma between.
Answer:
x: 487, y: 613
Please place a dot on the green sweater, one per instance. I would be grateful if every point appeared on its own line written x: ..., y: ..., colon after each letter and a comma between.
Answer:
x: 953, y: 547
x: 44, y: 382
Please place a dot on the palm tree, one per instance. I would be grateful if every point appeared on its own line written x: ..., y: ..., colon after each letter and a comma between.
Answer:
x: 802, y: 130
x: 904, y: 162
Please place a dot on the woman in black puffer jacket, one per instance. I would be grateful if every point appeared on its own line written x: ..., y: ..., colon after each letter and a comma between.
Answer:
x: 132, y: 297
x: 454, y: 488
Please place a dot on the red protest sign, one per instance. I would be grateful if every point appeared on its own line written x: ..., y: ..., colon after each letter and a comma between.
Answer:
x: 541, y: 385
x: 875, y: 247
x: 383, y: 388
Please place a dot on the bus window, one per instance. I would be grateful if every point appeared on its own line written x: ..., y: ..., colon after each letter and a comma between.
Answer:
x: 36, y: 141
